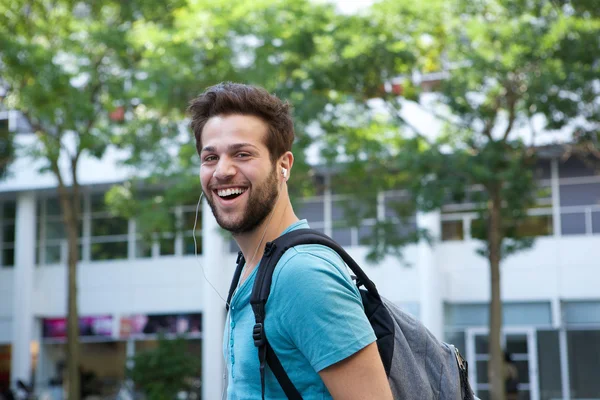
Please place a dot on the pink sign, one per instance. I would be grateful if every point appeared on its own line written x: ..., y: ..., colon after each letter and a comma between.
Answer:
x: 56, y: 328
x: 140, y: 325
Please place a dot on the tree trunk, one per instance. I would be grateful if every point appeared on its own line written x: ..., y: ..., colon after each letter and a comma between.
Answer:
x: 70, y: 207
x: 496, y: 358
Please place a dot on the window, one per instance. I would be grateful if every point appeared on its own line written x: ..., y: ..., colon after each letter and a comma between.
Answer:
x: 572, y: 223
x: 581, y: 194
x: 108, y: 234
x: 595, y: 221
x: 188, y: 217
x: 452, y: 230
x: 532, y: 226
x: 548, y: 351
x: 7, y: 242
x: 581, y: 313
x: 584, y: 363
x: 313, y: 210
x: 52, y: 232
x: 535, y: 225
x: 515, y: 314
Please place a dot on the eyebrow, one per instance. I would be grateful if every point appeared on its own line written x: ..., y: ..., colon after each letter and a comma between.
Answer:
x: 230, y: 148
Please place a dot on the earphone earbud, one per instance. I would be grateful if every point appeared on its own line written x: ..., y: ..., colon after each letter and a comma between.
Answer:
x: 284, y: 172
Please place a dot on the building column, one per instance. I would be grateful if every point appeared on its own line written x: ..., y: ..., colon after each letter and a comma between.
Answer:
x: 23, y: 318
x: 430, y: 275
x: 215, y: 250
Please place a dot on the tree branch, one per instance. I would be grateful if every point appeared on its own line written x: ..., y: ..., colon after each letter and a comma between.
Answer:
x: 396, y: 114
x: 511, y: 103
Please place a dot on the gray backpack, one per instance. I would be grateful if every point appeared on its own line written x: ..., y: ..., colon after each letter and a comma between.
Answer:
x: 418, y: 366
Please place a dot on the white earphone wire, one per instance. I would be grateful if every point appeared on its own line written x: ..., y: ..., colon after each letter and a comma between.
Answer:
x: 196, y: 250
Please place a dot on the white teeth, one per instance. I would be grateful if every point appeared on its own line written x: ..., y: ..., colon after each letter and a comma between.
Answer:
x: 229, y: 192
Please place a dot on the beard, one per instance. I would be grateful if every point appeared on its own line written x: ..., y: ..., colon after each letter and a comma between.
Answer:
x: 259, y: 204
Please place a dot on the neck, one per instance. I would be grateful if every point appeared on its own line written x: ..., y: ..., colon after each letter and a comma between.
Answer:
x: 253, y: 243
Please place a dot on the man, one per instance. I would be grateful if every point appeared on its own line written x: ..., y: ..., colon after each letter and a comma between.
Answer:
x: 314, y: 317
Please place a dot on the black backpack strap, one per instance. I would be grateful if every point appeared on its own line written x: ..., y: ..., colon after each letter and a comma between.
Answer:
x: 236, y: 278
x: 262, y: 288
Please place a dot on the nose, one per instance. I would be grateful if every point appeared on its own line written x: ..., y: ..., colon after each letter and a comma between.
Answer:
x: 224, y: 169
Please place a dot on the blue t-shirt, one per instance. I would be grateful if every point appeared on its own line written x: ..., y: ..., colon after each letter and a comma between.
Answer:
x: 314, y: 319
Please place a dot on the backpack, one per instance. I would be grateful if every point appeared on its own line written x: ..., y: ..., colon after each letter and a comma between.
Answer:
x: 417, y: 365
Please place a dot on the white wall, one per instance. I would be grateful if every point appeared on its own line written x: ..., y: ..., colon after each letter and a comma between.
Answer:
x: 564, y: 267
x: 168, y: 284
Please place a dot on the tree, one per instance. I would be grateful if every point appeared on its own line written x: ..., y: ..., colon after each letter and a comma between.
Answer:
x: 301, y: 50
x: 505, y: 63
x: 69, y: 68
x: 163, y: 372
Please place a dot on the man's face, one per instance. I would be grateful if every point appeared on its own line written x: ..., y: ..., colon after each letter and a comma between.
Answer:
x: 238, y: 178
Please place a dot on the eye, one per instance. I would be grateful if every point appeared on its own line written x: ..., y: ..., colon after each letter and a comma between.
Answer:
x: 242, y: 155
x: 210, y: 158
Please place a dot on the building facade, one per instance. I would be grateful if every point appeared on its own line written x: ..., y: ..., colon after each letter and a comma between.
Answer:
x: 131, y: 289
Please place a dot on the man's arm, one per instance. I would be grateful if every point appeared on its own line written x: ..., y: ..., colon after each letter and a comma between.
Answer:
x: 360, y: 376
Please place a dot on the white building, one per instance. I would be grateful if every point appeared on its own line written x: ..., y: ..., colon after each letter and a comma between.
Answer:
x: 551, y: 293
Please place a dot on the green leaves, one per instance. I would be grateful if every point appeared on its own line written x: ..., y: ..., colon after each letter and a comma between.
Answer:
x: 163, y: 372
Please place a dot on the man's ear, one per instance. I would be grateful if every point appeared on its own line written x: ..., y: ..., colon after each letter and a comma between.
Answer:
x: 286, y: 161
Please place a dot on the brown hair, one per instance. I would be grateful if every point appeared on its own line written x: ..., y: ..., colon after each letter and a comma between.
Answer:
x: 235, y: 98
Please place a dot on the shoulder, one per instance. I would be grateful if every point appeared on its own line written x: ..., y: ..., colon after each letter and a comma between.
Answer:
x: 310, y: 258
x: 312, y: 277
x: 316, y: 306
x: 311, y: 262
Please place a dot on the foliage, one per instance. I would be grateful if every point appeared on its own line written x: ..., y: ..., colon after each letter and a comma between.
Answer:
x: 163, y: 372
x: 301, y: 50
x: 70, y: 68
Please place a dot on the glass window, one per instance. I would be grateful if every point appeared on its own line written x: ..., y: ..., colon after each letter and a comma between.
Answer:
x: 584, y: 363
x: 532, y: 226
x: 8, y: 256
x: 109, y: 251
x: 53, y: 206
x: 110, y: 226
x: 365, y: 234
x: 582, y: 312
x: 10, y: 210
x: 167, y: 246
x: 574, y: 168
x: 549, y: 365
x: 341, y: 207
x: 8, y: 234
x: 311, y: 210
x: 466, y: 314
x: 596, y: 221
x: 542, y: 169
x: 515, y: 314
x: 535, y: 225
x: 572, y: 223
x: 397, y: 205
x: 520, y: 314
x: 342, y: 235
x: 452, y: 230
x: 581, y: 194
x: 188, y: 219
x: 55, y: 229
x: 97, y: 202
x: 143, y: 249
x: 189, y: 246
x: 52, y: 253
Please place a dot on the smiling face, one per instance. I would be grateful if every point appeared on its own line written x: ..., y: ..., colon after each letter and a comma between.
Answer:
x: 238, y: 178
